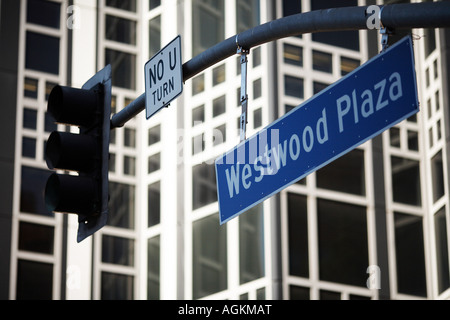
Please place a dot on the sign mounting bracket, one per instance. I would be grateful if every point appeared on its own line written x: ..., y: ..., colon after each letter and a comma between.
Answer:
x: 244, y: 96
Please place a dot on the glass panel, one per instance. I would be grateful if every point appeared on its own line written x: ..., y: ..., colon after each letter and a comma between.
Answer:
x: 440, y: 224
x: 117, y: 286
x: 154, y: 35
x: 129, y: 165
x: 117, y: 250
x: 30, y: 88
x: 348, y: 65
x: 130, y: 137
x: 32, y: 191
x: 154, y: 4
x: 219, y: 106
x: 409, y: 254
x: 293, y: 86
x: 219, y: 75
x: 251, y: 244
x: 120, y: 30
x: 204, y: 189
x: 154, y: 163
x: 208, y: 24
x: 319, y: 86
x: 406, y: 181
x: 198, y: 143
x: 344, y: 39
x: 298, y: 235
x: 430, y: 41
x: 345, y: 174
x: 123, y: 68
x: 112, y: 162
x: 437, y: 176
x: 257, y: 118
x: 121, y: 205
x: 293, y: 55
x: 256, y: 57
x: 299, y: 293
x: 198, y: 115
x: 322, y: 61
x: 29, y: 118
x: 153, y: 265
x: 128, y: 5
x: 343, y: 247
x: 198, y: 84
x: 261, y: 294
x: 209, y: 256
x: 154, y: 135
x: 42, y: 53
x: 154, y: 204
x: 34, y: 280
x: 329, y: 295
x: 219, y: 134
x: 413, y: 140
x: 36, y: 238
x: 257, y: 88
x: 49, y: 124
x: 45, y: 13
x: 247, y: 14
x: 28, y: 147
x: 291, y: 7
x: 394, y: 134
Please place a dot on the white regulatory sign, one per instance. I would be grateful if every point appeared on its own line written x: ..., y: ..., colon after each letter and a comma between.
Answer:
x: 163, y: 77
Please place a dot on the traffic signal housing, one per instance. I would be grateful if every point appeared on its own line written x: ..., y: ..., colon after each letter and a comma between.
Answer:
x: 82, y: 188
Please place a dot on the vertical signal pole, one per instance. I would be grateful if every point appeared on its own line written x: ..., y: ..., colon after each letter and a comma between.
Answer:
x: 244, y: 97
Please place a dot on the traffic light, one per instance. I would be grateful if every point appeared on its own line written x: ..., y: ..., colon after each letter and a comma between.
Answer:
x: 86, y: 152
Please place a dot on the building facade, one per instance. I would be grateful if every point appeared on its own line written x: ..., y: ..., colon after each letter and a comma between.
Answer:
x: 371, y: 225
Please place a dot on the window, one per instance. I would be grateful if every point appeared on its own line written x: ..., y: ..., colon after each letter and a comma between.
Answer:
x: 116, y: 286
x: 291, y: 7
x: 344, y: 39
x: 410, y: 255
x: 219, y: 106
x: 251, y: 244
x: 128, y: 5
x: 120, y: 30
x: 208, y: 24
x: 219, y: 75
x: 44, y: 13
x: 130, y: 137
x: 29, y: 118
x: 343, y: 246
x: 123, y: 67
x: 298, y: 235
x: 36, y: 238
x: 293, y: 55
x: 154, y: 4
x: 198, y: 84
x: 31, y: 88
x: 32, y: 183
x: 247, y: 14
x: 322, y: 61
x: 345, y: 174
x: 154, y: 204
x: 443, y: 273
x: 117, y: 250
x: 348, y: 65
x: 209, y: 256
x: 34, y: 280
x: 198, y: 115
x: 153, y: 268
x: 204, y: 190
x: 406, y: 181
x: 42, y: 53
x: 437, y: 176
x: 154, y: 163
x: 121, y: 205
x: 28, y: 147
x: 293, y: 86
x: 155, y: 35
x: 154, y: 135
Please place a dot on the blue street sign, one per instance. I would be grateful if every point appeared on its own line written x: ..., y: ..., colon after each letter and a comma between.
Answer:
x: 358, y: 107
